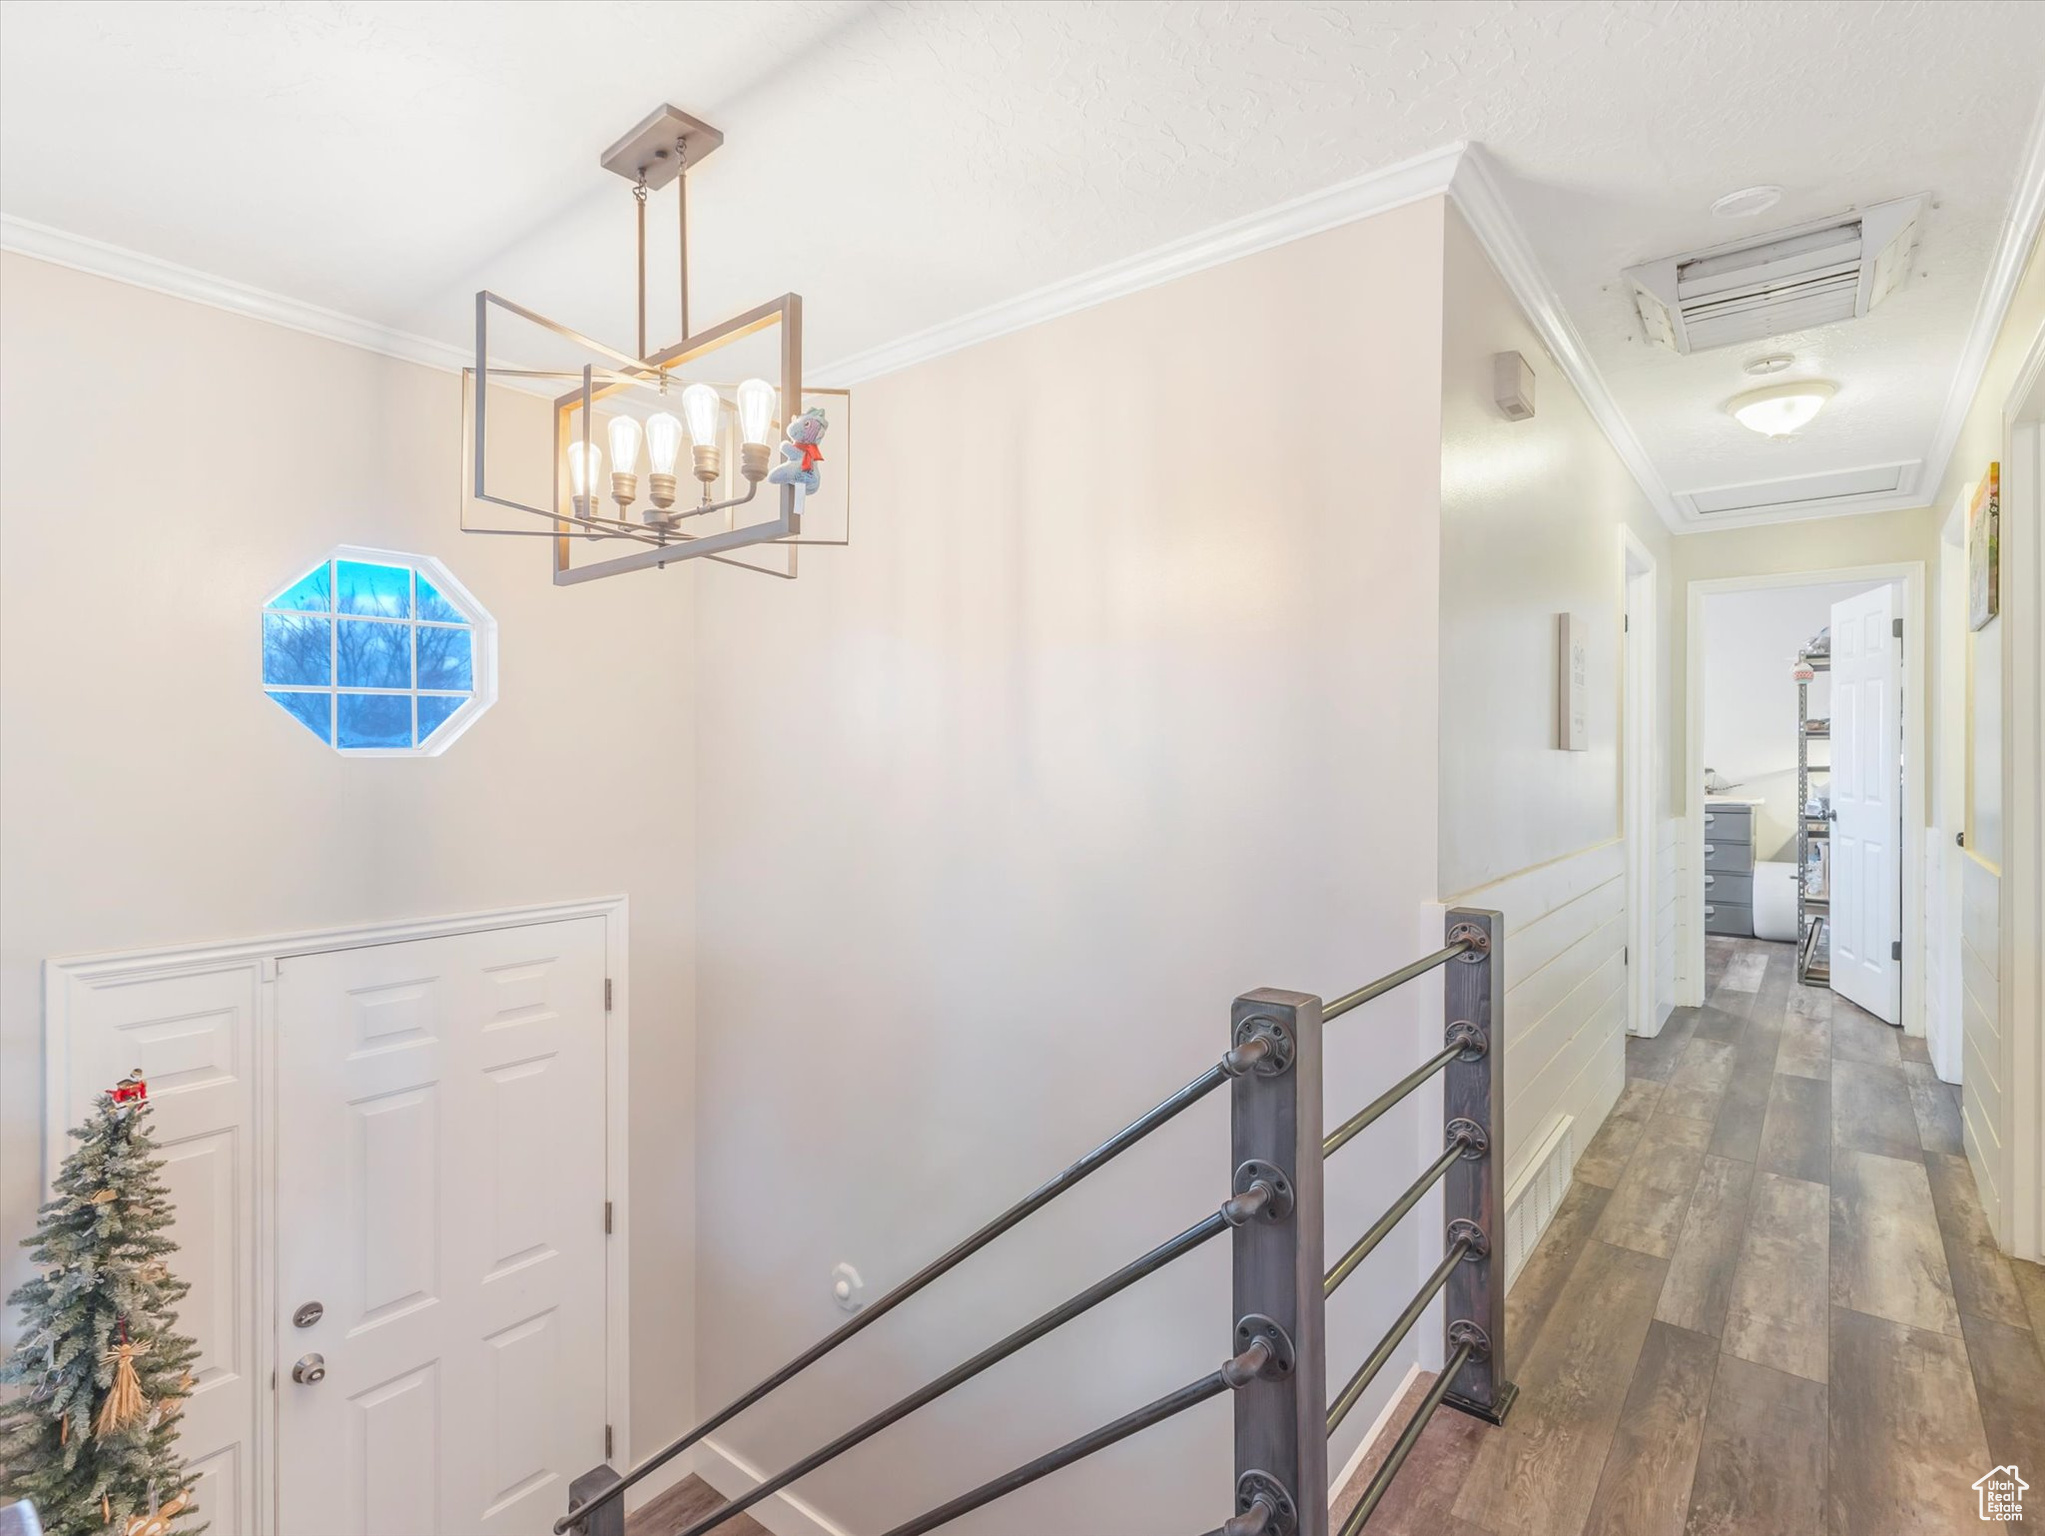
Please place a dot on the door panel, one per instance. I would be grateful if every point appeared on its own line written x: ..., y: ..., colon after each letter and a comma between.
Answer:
x: 193, y: 1035
x: 1866, y: 755
x: 441, y: 1176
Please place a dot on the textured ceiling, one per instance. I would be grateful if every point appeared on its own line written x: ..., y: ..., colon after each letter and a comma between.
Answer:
x: 903, y: 165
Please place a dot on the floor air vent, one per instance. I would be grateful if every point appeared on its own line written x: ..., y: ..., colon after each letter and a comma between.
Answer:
x: 1530, y: 1203
x: 1815, y: 274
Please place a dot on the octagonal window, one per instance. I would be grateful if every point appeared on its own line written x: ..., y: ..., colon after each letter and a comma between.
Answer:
x: 379, y: 654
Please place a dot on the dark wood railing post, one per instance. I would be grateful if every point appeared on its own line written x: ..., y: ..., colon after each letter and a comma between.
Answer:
x: 608, y: 1521
x: 1280, y: 1419
x: 1473, y: 1103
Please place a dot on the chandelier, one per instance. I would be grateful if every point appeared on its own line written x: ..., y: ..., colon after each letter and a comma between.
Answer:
x: 731, y: 468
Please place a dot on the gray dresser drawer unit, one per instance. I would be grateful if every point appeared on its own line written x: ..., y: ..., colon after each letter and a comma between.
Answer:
x: 1737, y: 857
x: 1722, y: 917
x: 1737, y: 889
x: 1729, y: 824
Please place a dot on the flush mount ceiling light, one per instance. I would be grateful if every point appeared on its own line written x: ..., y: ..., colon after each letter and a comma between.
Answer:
x: 1781, y: 410
x: 537, y: 448
x: 1747, y: 202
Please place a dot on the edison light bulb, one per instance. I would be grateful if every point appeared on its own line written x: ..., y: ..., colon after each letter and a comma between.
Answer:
x: 755, y: 423
x: 585, y: 464
x: 701, y: 405
x: 755, y: 410
x: 624, y: 460
x: 663, y: 448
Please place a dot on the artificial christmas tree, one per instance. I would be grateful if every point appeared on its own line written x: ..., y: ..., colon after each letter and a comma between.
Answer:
x: 91, y: 1442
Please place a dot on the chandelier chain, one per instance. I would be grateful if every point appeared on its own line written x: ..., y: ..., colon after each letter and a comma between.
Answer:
x: 682, y: 230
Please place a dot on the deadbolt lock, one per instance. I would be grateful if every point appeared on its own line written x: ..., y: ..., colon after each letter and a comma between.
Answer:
x: 307, y: 1315
x: 309, y: 1369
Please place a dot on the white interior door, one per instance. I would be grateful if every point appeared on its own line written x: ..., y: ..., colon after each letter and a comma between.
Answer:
x: 1867, y: 745
x: 440, y: 1189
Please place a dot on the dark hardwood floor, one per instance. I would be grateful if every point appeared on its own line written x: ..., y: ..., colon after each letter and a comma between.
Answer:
x: 688, y: 1501
x: 1769, y: 1305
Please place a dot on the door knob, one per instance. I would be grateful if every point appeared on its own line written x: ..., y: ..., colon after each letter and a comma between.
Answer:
x: 309, y: 1369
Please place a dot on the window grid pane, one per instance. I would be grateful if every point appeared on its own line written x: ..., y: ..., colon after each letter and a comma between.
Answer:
x: 368, y: 655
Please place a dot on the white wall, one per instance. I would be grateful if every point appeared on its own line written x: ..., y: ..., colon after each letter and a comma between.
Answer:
x: 1751, y: 640
x: 167, y: 466
x: 1531, y: 513
x: 1531, y: 519
x: 1120, y: 705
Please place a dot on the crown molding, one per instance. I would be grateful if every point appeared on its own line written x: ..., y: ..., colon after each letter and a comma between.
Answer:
x: 1475, y: 190
x: 82, y: 254
x: 1394, y: 186
x: 2012, y: 250
x: 1380, y: 191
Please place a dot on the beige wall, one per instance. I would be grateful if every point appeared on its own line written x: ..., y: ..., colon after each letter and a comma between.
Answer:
x: 1121, y: 704
x: 1982, y: 441
x: 1997, y: 952
x: 150, y: 794
x: 1531, y: 513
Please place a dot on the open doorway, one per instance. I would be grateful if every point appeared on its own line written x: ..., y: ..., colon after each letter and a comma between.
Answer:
x: 1806, y: 719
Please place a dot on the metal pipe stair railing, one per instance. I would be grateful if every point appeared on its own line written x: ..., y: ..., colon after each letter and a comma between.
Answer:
x: 1277, y: 1375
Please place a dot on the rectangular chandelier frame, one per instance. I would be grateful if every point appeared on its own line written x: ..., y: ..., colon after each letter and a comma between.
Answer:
x: 660, y: 149
x: 665, y: 545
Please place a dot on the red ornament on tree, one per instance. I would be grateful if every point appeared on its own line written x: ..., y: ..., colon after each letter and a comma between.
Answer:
x: 131, y: 1089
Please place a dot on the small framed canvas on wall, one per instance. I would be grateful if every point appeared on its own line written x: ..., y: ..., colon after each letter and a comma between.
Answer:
x: 1984, y: 539
x: 1572, y: 685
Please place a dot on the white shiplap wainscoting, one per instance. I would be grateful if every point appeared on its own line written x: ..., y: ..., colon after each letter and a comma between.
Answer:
x: 1981, y: 1096
x: 1945, y: 1023
x: 1565, y: 1022
x: 1668, y: 891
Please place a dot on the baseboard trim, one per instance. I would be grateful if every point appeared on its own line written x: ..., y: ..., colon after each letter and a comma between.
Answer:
x: 658, y: 1482
x: 1370, y: 1436
x: 784, y: 1514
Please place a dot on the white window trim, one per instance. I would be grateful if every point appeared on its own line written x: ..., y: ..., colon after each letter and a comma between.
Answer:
x: 482, y: 625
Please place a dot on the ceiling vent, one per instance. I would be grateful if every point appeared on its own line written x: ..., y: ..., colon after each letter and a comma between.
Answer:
x: 1815, y: 274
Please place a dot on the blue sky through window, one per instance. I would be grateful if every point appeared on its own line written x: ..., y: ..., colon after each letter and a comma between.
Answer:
x: 368, y: 655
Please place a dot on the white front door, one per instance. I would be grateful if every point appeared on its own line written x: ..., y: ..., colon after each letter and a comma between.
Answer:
x: 440, y: 1199
x: 1867, y: 766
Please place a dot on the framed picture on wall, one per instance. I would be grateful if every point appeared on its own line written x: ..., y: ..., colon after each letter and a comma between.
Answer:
x: 1572, y: 684
x: 1984, y: 536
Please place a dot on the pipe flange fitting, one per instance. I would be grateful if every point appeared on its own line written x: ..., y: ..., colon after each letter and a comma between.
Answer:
x: 1469, y: 1135
x: 1480, y: 1245
x: 1256, y: 1326
x: 1257, y: 1171
x: 1253, y: 1488
x: 1474, y: 1042
x: 1474, y: 936
x: 1277, y: 1059
x: 1462, y: 1331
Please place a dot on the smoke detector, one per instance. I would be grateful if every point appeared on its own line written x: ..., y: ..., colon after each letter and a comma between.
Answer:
x: 1814, y: 274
